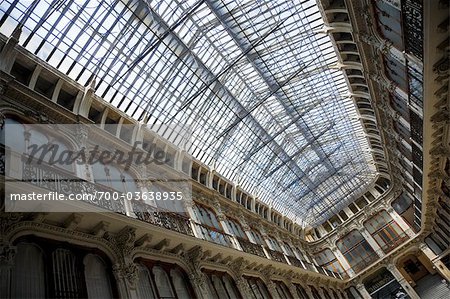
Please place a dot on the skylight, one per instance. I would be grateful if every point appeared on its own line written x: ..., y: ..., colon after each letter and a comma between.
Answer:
x: 255, y: 81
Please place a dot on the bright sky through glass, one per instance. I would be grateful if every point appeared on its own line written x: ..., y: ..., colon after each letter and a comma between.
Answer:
x: 254, y: 80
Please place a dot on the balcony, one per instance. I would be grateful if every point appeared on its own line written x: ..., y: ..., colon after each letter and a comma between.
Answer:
x: 276, y: 256
x: 61, y: 181
x: 168, y: 220
x: 251, y: 248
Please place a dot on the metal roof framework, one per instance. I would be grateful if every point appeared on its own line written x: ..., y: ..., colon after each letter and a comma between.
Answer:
x: 254, y: 80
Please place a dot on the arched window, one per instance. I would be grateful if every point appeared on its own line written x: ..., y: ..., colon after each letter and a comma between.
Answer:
x: 112, y: 176
x: 15, y: 129
x: 301, y: 292
x: 67, y: 275
x: 206, y: 217
x: 282, y: 289
x: 356, y: 250
x: 97, y: 282
x: 28, y: 273
x: 386, y: 232
x: 325, y: 292
x: 257, y: 237
x: 44, y: 268
x: 328, y: 260
x: 231, y: 287
x: 236, y: 228
x: 56, y: 151
x: 162, y: 280
x: 274, y: 244
x: 315, y: 292
x: 167, y: 199
x: 258, y: 288
x: 221, y: 285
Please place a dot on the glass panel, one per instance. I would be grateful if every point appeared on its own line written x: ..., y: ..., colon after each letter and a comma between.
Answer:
x: 254, y: 81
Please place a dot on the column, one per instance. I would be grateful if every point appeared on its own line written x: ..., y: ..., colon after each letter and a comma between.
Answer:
x: 340, y: 257
x: 371, y: 241
x: 200, y: 285
x: 7, y: 254
x: 126, y: 277
x: 405, y: 285
x: 437, y: 264
x: 401, y: 222
x: 362, y: 291
x: 8, y: 53
x: 222, y: 220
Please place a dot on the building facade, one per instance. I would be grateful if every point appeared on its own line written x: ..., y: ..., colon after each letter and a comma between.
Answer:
x: 393, y: 240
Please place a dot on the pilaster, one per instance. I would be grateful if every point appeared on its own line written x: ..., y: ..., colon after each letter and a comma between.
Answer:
x: 401, y: 222
x: 343, y: 261
x: 362, y: 291
x: 402, y: 281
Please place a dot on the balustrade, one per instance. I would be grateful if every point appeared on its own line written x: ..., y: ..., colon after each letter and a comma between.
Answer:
x: 157, y: 216
x: 277, y: 256
x: 63, y: 182
x: 251, y: 248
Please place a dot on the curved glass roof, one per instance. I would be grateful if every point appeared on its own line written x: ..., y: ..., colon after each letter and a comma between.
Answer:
x: 256, y: 81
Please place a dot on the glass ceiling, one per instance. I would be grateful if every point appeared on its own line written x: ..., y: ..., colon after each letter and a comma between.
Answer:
x: 255, y: 81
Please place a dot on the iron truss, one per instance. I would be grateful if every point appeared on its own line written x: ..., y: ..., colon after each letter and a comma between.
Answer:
x: 253, y: 80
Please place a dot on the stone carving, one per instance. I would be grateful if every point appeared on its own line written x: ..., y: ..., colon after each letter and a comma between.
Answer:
x: 123, y: 243
x: 39, y: 117
x: 7, y: 253
x: 127, y: 271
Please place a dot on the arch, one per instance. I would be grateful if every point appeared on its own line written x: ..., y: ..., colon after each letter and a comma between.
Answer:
x: 162, y: 281
x: 145, y: 287
x: 28, y: 272
x: 356, y: 250
x: 179, y: 283
x: 112, y: 176
x: 23, y: 230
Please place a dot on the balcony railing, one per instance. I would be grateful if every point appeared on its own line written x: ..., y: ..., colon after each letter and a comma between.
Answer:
x: 295, y: 262
x: 277, y: 256
x: 251, y: 248
x: 63, y: 182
